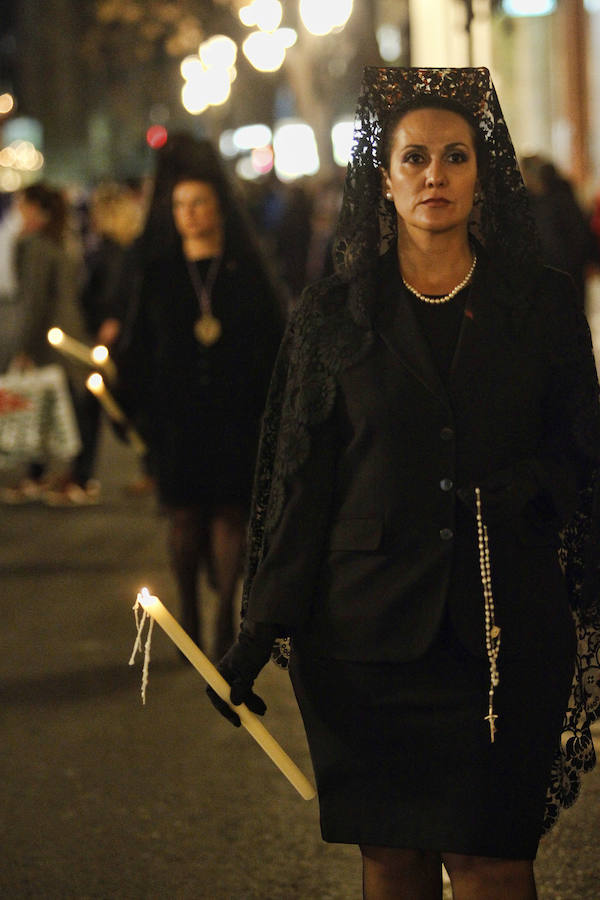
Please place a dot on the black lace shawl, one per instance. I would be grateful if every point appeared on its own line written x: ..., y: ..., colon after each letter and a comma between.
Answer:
x: 331, y: 330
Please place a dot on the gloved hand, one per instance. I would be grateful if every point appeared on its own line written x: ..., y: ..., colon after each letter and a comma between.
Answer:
x: 240, y: 666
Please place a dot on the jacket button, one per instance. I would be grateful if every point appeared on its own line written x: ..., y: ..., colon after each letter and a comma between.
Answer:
x: 447, y: 433
x: 446, y: 534
x: 446, y: 484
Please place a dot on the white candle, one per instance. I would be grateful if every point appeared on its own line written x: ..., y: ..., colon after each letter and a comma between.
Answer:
x: 95, y: 384
x: 212, y: 676
x: 70, y: 347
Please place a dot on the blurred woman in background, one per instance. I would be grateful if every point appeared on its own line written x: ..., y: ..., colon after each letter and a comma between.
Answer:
x: 203, y: 342
x: 115, y: 217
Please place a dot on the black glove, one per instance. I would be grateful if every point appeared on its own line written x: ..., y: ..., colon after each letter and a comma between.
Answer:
x: 240, y: 666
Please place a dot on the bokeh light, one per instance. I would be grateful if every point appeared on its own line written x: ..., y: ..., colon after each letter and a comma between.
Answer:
x: 249, y: 137
x: 528, y: 7
x: 209, y: 75
x: 389, y: 41
x: 320, y: 17
x: 266, y: 52
x: 227, y: 143
x: 264, y: 14
x: 218, y: 86
x: 218, y: 52
x: 191, y: 67
x: 262, y: 159
x: 19, y: 161
x: 194, y: 96
x: 156, y: 136
x: 245, y: 170
x: 295, y: 149
x: 7, y: 104
x: 10, y: 180
x: 341, y: 141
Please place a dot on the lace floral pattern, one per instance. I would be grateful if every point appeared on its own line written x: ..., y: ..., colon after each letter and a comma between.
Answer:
x: 580, y: 558
x: 330, y: 330
x: 321, y: 340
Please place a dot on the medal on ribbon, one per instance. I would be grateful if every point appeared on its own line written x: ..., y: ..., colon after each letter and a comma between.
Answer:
x: 207, y: 328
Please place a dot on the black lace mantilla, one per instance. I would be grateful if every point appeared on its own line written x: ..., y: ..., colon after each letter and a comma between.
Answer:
x: 331, y: 330
x: 328, y: 331
x: 501, y: 218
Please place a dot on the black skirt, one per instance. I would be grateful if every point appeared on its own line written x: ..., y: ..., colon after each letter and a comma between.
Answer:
x: 402, y: 752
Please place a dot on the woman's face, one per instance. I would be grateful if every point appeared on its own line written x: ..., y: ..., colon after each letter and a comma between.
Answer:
x: 432, y: 171
x: 196, y: 209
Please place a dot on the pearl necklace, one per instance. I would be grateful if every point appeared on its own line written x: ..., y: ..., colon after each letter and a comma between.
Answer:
x: 446, y: 297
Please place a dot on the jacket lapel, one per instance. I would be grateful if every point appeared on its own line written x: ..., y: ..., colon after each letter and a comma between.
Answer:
x: 399, y: 329
x: 484, y: 323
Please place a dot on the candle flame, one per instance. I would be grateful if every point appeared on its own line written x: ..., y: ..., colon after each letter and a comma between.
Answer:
x: 145, y: 597
x: 100, y: 354
x: 95, y: 383
x: 55, y: 336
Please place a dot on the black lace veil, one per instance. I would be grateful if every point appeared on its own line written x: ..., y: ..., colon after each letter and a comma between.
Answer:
x: 330, y: 330
x: 501, y: 217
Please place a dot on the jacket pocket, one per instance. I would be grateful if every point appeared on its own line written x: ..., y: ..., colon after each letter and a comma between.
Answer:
x: 356, y: 534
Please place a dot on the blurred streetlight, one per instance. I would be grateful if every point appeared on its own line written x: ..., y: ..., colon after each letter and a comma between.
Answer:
x: 209, y: 75
x: 264, y: 14
x: 389, y: 41
x: 295, y: 149
x: 528, y: 7
x: 191, y: 67
x: 341, y: 141
x: 21, y: 155
x: 266, y: 51
x: 218, y: 52
x: 7, y: 104
x: 320, y: 17
x: 194, y: 96
x: 250, y: 137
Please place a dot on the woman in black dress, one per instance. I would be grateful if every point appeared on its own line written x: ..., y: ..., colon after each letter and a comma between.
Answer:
x: 423, y: 524
x: 197, y: 368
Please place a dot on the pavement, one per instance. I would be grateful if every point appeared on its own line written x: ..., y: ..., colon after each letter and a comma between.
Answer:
x: 106, y: 797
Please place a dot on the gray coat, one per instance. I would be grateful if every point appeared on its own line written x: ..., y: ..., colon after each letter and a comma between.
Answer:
x: 47, y: 293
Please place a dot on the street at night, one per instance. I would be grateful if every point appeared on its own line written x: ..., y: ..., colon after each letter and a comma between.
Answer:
x: 104, y: 797
x: 367, y: 231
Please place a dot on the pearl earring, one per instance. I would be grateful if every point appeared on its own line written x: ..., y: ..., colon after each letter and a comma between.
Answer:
x: 388, y: 195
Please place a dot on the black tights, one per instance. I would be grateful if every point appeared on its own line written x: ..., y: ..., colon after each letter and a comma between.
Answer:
x: 216, y: 538
x: 394, y: 874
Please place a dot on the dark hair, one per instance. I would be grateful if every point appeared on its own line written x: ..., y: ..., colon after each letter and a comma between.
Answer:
x: 183, y: 158
x: 208, y: 167
x: 388, y: 130
x: 187, y: 158
x: 52, y: 202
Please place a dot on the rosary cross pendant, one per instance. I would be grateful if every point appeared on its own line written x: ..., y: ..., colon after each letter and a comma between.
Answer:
x: 491, y: 719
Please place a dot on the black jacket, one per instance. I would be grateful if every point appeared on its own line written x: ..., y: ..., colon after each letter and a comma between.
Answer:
x: 199, y: 407
x: 377, y: 535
